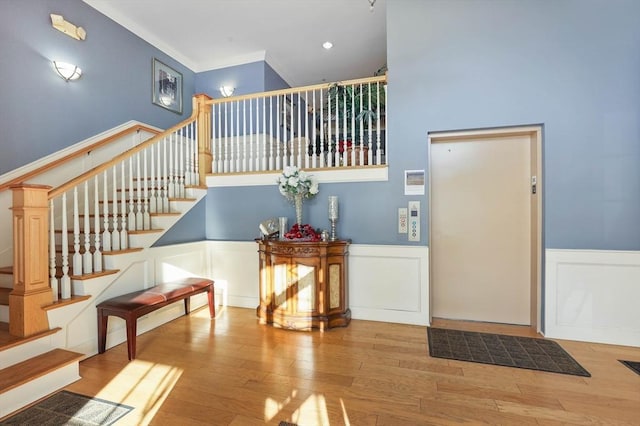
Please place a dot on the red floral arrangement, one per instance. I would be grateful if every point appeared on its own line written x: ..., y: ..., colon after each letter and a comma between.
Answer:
x: 303, y: 232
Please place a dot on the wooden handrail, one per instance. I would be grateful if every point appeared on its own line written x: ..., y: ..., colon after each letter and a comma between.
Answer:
x: 117, y: 159
x: 296, y: 90
x: 80, y: 152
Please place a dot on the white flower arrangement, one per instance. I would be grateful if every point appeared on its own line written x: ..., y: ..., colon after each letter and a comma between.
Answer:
x: 294, y: 181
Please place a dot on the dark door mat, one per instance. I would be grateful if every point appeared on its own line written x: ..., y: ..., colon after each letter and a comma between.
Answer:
x: 497, y: 349
x: 68, y: 408
x: 632, y: 365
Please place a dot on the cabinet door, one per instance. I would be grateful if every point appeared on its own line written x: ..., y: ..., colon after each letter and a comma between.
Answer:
x: 336, y: 278
x: 280, y: 282
x: 304, y: 288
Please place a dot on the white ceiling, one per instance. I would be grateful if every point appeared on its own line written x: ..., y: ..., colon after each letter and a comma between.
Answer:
x: 288, y: 34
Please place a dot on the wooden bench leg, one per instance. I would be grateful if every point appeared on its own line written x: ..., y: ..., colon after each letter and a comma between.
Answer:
x: 102, y: 331
x: 212, y: 305
x: 132, y: 326
x: 187, y: 305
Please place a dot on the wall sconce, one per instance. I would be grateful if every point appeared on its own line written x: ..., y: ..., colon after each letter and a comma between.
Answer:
x: 227, y: 91
x: 67, y: 71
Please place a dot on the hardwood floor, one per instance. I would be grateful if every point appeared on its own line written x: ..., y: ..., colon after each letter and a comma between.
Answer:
x: 233, y: 371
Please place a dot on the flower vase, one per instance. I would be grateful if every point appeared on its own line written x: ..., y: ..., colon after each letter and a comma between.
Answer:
x: 298, y: 203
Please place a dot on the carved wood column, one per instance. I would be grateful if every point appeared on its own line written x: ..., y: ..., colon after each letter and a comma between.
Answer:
x: 31, y: 289
x: 204, y: 136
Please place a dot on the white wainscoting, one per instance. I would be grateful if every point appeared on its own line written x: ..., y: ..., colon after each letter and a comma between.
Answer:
x: 593, y: 296
x: 386, y: 283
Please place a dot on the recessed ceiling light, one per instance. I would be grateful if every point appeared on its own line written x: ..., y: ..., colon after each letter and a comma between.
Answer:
x: 327, y: 45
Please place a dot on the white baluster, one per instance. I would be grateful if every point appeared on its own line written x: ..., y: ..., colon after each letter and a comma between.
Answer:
x: 219, y: 140
x: 237, y: 137
x: 106, y: 235
x: 153, y: 208
x: 226, y: 139
x: 353, y: 124
x: 115, y: 234
x: 172, y: 170
x: 146, y: 220
x: 131, y: 217
x: 306, y: 131
x: 87, y: 267
x: 197, y: 147
x: 267, y: 159
x: 124, y: 234
x: 314, y: 148
x: 361, y: 121
x: 77, y: 258
x: 97, y: 254
x: 181, y: 148
x: 277, y: 141
x: 165, y: 178
x: 322, y: 151
x: 65, y: 281
x: 53, y: 281
x: 244, y: 134
x: 254, y: 141
x: 378, y: 142
x: 370, y: 128
x: 139, y: 215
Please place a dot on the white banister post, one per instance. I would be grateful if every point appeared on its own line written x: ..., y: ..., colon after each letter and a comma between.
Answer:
x: 139, y: 215
x: 87, y: 266
x: 146, y: 219
x: 77, y: 258
x: 65, y: 281
x: 97, y: 254
x: 53, y: 280
x: 106, y: 235
x: 131, y: 217
x: 115, y: 234
x: 124, y: 235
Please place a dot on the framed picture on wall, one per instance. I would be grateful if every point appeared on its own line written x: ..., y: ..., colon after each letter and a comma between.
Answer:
x: 167, y: 87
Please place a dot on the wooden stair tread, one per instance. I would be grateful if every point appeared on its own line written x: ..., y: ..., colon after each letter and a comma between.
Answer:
x: 7, y: 270
x: 8, y: 341
x: 86, y: 276
x: 145, y: 231
x: 33, y: 368
x: 64, y: 302
x: 125, y: 251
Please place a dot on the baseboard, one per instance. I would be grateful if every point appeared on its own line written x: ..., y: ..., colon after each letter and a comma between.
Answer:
x: 593, y: 296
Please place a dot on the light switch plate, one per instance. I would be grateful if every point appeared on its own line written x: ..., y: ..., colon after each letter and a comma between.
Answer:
x: 402, y: 220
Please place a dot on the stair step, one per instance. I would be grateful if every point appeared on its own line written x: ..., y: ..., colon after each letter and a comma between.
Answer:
x: 145, y: 231
x: 25, y: 371
x: 7, y: 270
x: 85, y: 276
x: 64, y: 302
x: 28, y: 381
x: 7, y: 341
x: 104, y: 253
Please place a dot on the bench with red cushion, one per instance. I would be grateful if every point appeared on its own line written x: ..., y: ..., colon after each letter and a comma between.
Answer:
x: 132, y: 306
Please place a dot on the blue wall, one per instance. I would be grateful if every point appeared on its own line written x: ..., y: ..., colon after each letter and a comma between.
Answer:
x: 40, y: 112
x: 572, y: 65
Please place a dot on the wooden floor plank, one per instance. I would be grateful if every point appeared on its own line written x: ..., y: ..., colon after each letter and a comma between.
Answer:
x: 234, y: 371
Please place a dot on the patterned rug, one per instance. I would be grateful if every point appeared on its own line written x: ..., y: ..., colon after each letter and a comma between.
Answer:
x: 633, y: 365
x: 497, y: 349
x: 70, y: 408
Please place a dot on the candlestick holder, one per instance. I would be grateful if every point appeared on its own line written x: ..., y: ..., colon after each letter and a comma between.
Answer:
x: 333, y: 236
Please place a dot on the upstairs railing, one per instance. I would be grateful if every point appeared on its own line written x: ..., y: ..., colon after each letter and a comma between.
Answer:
x: 331, y: 125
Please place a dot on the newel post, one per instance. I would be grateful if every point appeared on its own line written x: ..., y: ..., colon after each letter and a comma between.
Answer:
x: 204, y: 136
x: 31, y: 289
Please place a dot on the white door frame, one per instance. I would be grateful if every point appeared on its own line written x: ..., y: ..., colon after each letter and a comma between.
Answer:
x: 535, y: 134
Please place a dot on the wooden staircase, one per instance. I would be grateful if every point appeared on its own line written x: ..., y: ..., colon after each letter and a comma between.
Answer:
x: 112, y: 197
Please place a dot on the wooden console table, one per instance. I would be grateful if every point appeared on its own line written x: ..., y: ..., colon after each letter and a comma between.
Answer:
x: 303, y: 285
